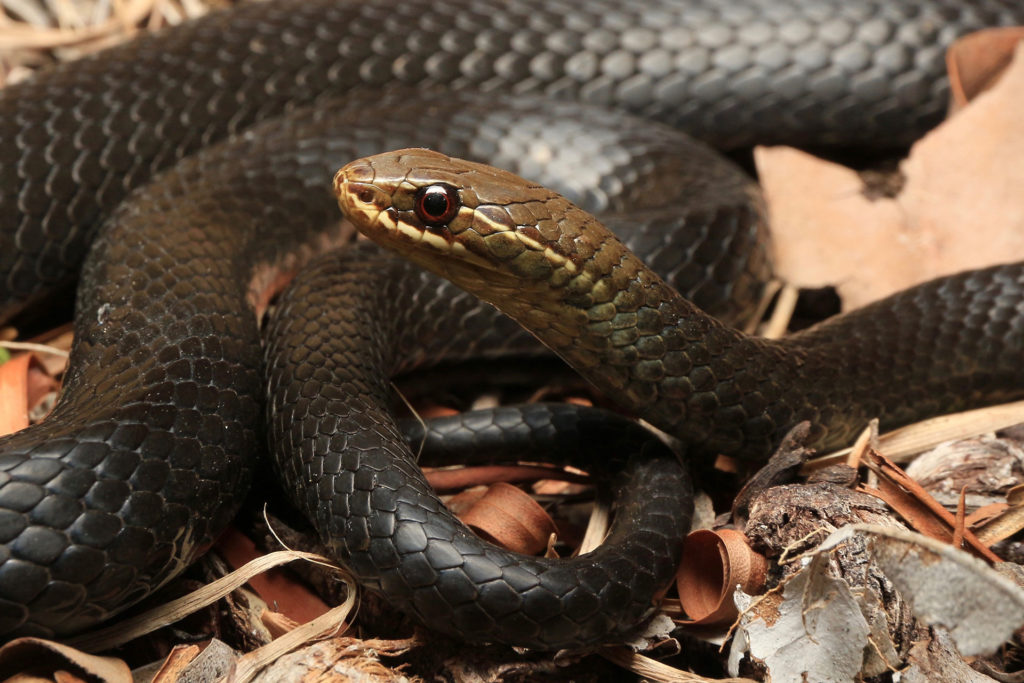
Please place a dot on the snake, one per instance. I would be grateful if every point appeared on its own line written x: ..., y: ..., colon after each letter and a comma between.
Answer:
x: 179, y: 176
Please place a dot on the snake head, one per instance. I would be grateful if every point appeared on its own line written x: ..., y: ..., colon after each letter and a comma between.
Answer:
x: 517, y: 245
x: 479, y: 226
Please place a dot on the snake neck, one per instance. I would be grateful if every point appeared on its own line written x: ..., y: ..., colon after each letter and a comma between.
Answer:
x: 899, y: 360
x: 637, y: 340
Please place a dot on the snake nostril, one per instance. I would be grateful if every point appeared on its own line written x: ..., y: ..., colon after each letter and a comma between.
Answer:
x: 365, y: 194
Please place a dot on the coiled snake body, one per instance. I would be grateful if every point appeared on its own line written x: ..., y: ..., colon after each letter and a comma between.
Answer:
x: 147, y: 454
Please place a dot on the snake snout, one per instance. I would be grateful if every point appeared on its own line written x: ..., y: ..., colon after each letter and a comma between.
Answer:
x: 358, y: 197
x: 360, y: 170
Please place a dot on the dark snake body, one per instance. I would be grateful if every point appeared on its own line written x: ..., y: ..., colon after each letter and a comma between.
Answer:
x: 144, y: 459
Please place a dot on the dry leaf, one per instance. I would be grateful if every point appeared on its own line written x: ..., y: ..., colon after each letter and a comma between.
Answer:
x: 976, y: 61
x: 279, y: 589
x: 45, y: 658
x: 128, y: 629
x: 1001, y: 526
x: 509, y: 517
x: 14, y: 394
x: 946, y: 587
x: 24, y: 384
x: 453, y: 479
x: 176, y: 663
x: 901, y: 444
x: 811, y: 630
x: 960, y: 207
x: 715, y: 563
x: 916, y: 506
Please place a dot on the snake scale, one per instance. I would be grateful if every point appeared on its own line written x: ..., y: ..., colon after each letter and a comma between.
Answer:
x: 147, y: 454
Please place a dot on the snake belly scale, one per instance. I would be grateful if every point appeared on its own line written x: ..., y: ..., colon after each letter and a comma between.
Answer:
x: 151, y: 446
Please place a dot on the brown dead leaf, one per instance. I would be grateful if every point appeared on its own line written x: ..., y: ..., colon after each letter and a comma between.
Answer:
x: 290, y: 598
x: 24, y: 382
x: 434, y: 410
x: 960, y: 207
x: 716, y: 562
x: 958, y: 521
x: 48, y: 660
x: 984, y: 514
x: 976, y: 61
x: 453, y: 479
x: 509, y: 517
x: 1015, y: 496
x: 177, y: 661
x: 998, y: 527
x: 465, y: 499
x: 208, y: 661
x: 917, y: 507
x: 66, y: 677
x: 278, y: 623
x: 14, y: 394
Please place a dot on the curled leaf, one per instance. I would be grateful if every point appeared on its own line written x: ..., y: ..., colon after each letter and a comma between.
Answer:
x: 509, y: 517
x: 715, y: 563
x: 976, y: 61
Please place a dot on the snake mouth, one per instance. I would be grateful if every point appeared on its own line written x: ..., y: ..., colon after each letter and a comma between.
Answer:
x: 437, y: 252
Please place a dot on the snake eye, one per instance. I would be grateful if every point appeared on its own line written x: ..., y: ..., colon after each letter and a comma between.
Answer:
x: 436, y: 204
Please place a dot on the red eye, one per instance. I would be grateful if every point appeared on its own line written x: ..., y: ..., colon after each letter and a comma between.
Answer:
x: 436, y: 204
